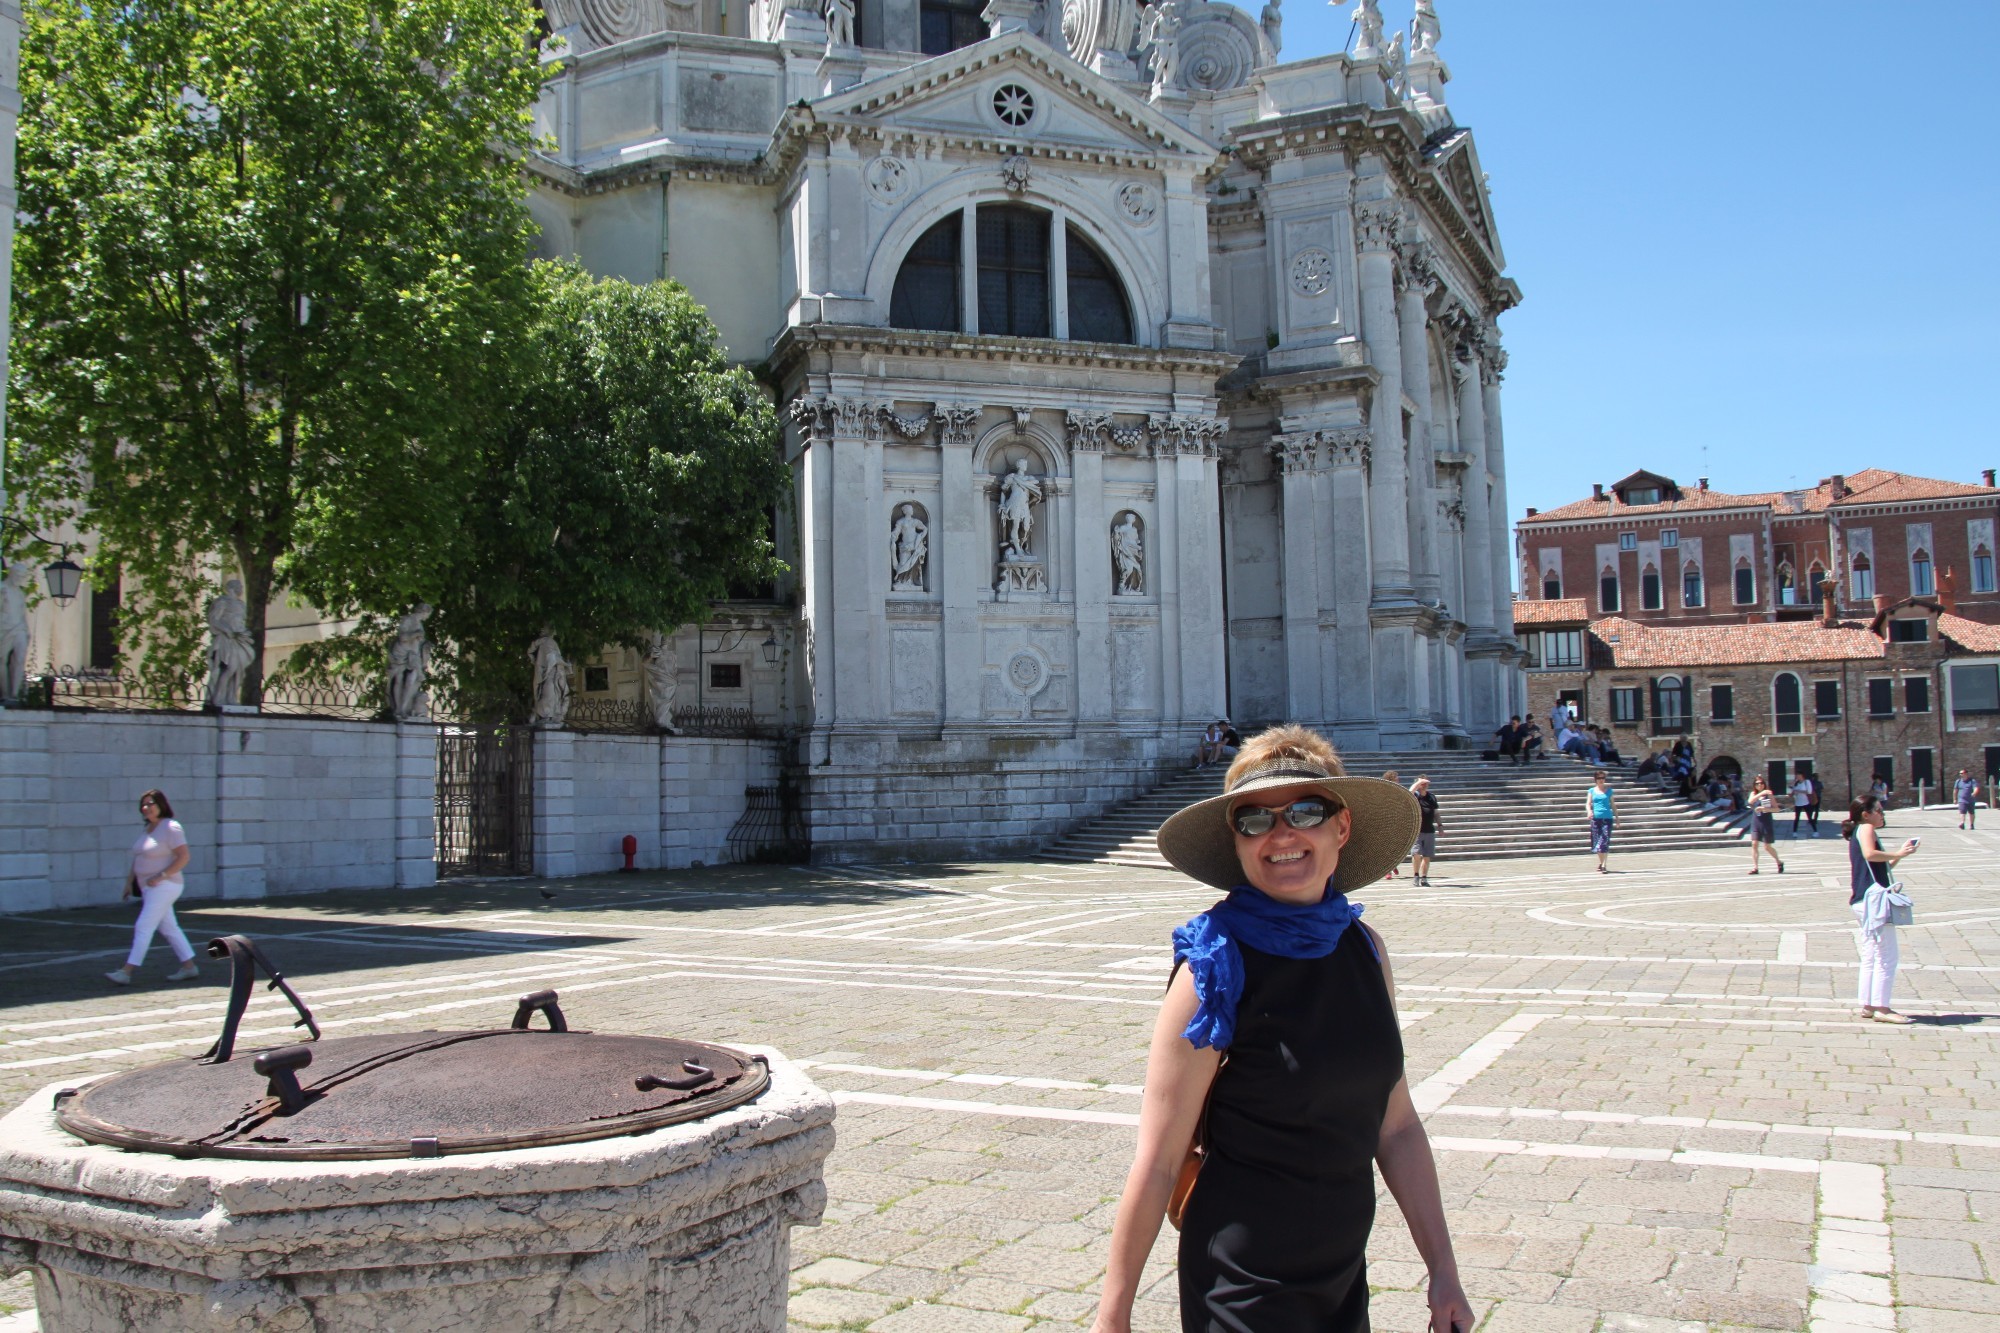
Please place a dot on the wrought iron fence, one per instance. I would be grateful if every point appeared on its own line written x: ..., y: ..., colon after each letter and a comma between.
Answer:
x: 770, y: 828
x: 106, y: 690
x: 724, y: 723
x: 485, y: 801
x: 624, y: 716
x: 632, y: 717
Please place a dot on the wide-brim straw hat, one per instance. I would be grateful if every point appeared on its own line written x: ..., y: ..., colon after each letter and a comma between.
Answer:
x: 1199, y: 842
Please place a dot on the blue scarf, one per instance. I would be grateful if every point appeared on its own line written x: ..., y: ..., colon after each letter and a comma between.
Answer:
x: 1208, y: 945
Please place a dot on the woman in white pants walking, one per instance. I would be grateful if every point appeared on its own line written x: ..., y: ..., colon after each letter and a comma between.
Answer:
x: 158, y: 858
x: 1869, y: 864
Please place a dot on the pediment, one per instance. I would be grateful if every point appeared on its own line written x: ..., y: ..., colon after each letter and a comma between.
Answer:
x: 1454, y: 160
x: 1075, y: 110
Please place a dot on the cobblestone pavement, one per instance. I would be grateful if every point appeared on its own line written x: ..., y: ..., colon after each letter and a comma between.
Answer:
x: 1653, y: 1104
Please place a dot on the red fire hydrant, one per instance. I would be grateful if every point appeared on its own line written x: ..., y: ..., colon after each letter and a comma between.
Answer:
x: 631, y: 849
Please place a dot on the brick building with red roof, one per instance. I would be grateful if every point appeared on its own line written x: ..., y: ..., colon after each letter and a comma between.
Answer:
x: 1910, y: 692
x: 1655, y: 552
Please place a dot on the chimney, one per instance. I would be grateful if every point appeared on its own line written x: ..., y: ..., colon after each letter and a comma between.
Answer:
x: 1881, y: 600
x: 1836, y: 486
x: 1532, y: 511
x: 1829, y: 613
x: 1987, y: 476
x: 1597, y: 490
x: 1701, y: 483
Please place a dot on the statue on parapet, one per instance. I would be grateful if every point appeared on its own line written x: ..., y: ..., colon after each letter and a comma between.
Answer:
x: 1273, y: 22
x: 551, y: 688
x: 839, y: 23
x: 1367, y: 17
x: 409, y: 664
x: 1425, y: 30
x: 663, y: 681
x: 14, y: 631
x: 1160, y: 36
x: 230, y: 649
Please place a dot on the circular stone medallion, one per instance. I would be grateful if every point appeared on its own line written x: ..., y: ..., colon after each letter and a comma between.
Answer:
x: 888, y: 179
x: 1027, y: 672
x: 1312, y: 272
x: 1138, y: 202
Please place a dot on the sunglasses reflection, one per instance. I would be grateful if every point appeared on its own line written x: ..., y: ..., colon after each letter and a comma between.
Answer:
x: 1251, y: 821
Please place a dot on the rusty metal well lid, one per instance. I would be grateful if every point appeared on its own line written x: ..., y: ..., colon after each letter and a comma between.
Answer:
x: 407, y: 1094
x: 417, y: 1094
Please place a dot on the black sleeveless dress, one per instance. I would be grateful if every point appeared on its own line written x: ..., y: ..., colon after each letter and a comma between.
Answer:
x: 1276, y: 1231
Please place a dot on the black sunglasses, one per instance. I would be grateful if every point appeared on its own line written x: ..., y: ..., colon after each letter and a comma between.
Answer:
x: 1251, y: 821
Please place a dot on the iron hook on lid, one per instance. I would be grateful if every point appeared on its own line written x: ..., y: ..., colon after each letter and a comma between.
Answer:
x: 244, y: 960
x: 696, y: 1076
x: 544, y: 1000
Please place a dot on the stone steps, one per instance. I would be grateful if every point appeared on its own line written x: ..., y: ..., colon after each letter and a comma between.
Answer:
x: 1489, y: 811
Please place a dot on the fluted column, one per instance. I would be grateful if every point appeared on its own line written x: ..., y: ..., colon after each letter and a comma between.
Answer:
x: 1478, y: 608
x: 1348, y: 689
x: 1420, y: 281
x: 965, y: 565
x: 1297, y: 456
x: 858, y: 563
x: 813, y: 418
x: 1091, y: 542
x: 1494, y: 362
x: 1388, y: 486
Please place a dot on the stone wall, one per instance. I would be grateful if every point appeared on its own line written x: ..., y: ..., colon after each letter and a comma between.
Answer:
x: 296, y: 805
x: 270, y: 805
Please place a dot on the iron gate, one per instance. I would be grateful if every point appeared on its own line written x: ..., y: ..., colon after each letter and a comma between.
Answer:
x: 485, y: 801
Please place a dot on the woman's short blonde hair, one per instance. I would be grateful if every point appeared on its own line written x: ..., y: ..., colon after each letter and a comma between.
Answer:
x: 1290, y: 741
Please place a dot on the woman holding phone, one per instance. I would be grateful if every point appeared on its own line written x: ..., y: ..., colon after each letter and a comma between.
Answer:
x: 1869, y: 864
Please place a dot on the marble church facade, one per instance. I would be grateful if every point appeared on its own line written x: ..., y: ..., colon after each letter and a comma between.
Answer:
x: 1129, y: 377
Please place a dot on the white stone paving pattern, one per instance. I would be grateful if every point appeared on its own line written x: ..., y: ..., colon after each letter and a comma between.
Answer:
x: 1654, y: 1105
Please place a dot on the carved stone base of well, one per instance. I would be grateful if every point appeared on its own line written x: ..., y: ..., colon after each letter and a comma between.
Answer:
x: 682, y: 1229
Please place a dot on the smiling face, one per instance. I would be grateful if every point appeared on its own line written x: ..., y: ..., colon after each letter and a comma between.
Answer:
x: 1291, y: 865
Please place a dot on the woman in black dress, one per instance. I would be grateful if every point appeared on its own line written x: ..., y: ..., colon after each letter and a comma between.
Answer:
x: 1282, y: 1003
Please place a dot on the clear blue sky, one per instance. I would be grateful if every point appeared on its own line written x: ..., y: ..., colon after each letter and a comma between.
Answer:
x: 1757, y: 239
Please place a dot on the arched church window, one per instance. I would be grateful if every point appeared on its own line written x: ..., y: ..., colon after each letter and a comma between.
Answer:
x: 1098, y: 311
x: 927, y: 286
x: 1013, y: 270
x: 946, y: 25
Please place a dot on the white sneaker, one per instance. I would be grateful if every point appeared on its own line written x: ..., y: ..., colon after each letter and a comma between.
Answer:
x: 118, y: 976
x: 185, y: 972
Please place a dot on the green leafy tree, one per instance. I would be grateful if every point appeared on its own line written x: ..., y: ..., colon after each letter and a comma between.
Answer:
x: 631, y: 477
x: 270, y: 262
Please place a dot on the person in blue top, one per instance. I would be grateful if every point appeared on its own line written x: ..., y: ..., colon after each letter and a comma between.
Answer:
x: 1603, y: 814
x: 1966, y: 792
x: 1278, y: 1041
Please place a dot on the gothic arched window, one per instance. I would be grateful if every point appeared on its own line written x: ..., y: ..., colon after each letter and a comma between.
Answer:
x: 1982, y: 569
x: 927, y: 286
x: 1921, y: 582
x: 1786, y: 712
x: 1817, y: 582
x: 1552, y: 586
x: 1691, y: 593
x: 1650, y: 596
x: 1862, y: 575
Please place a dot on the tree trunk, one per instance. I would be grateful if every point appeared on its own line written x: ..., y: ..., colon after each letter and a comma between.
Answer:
x: 258, y: 570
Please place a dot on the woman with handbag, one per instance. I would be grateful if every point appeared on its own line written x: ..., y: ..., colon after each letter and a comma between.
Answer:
x: 1763, y: 823
x: 1877, y: 903
x: 1278, y: 1042
x: 158, y: 858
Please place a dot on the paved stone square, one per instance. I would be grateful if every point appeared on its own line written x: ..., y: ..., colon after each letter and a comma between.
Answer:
x: 1654, y: 1106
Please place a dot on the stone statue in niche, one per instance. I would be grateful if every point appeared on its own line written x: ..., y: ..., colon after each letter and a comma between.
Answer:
x: 839, y: 23
x: 409, y: 661
x: 230, y: 650
x: 14, y: 631
x: 1128, y: 556
x: 909, y: 551
x: 1020, y: 491
x: 551, y: 689
x: 663, y: 681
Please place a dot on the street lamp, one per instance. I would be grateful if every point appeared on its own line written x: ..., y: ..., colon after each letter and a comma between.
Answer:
x: 770, y: 646
x: 64, y: 576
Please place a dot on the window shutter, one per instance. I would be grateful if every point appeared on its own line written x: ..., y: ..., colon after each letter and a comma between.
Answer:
x: 1655, y: 683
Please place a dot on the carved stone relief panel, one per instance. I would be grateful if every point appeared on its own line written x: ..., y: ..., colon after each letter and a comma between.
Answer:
x: 915, y: 672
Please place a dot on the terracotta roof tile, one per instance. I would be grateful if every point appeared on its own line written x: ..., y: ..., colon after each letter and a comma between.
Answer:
x: 1969, y: 634
x: 1869, y: 486
x: 1639, y: 645
x: 1561, y: 611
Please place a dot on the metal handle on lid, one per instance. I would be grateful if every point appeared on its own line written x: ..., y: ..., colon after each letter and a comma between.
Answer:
x: 544, y: 1000
x: 696, y: 1076
x: 282, y: 1081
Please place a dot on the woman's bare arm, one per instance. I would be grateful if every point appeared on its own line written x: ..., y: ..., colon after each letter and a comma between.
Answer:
x: 174, y: 867
x: 1403, y: 1153
x: 1872, y: 848
x: 1178, y: 1076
